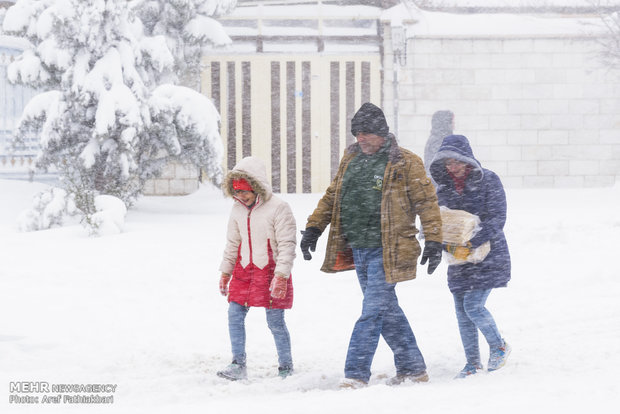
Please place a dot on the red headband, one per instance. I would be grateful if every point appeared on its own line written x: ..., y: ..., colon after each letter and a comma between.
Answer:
x: 242, y: 184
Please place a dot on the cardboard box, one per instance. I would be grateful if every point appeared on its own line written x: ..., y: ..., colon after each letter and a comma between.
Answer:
x: 458, y: 226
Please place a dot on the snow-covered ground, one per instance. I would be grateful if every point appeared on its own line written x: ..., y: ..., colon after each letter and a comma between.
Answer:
x: 142, y: 310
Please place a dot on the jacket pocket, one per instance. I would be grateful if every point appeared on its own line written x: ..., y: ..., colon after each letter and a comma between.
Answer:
x: 406, y: 248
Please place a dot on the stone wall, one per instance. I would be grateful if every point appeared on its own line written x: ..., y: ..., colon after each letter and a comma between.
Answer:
x: 541, y: 112
x: 176, y: 179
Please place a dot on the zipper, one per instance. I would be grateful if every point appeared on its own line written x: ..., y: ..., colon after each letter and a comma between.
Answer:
x: 256, y: 203
x: 387, y: 189
x: 251, y: 263
x: 250, y: 237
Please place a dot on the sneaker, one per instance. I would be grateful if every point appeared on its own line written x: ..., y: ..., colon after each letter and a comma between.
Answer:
x: 285, y: 371
x: 400, y: 378
x: 470, y: 369
x: 352, y: 384
x: 498, y: 357
x: 234, y: 372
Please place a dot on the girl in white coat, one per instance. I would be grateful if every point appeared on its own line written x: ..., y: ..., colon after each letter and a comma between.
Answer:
x: 257, y: 262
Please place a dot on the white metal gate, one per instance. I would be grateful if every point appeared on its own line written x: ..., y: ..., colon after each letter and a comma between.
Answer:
x: 294, y: 112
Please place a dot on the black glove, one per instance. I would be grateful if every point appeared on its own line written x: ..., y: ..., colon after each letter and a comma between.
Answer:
x: 432, y: 253
x: 308, y: 241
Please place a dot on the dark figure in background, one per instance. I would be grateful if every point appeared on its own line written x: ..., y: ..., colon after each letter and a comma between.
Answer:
x: 372, y: 204
x: 462, y: 184
x: 442, y: 125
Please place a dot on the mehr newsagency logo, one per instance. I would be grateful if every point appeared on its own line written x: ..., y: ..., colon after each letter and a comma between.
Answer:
x: 42, y: 392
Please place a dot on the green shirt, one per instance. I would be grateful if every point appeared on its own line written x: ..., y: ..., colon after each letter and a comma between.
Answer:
x: 360, y: 209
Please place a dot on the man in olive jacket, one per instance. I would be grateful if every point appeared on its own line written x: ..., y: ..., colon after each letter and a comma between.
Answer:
x: 372, y: 205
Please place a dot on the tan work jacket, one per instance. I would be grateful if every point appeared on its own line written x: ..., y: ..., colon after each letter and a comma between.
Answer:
x: 407, y: 193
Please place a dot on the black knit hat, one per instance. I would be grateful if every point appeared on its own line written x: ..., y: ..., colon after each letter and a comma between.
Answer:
x: 370, y: 119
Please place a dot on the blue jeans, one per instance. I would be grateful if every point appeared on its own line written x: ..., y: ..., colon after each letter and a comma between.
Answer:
x: 381, y: 315
x: 277, y: 325
x: 472, y: 315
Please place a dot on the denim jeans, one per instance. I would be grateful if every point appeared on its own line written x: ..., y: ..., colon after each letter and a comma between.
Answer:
x: 472, y: 315
x: 381, y: 315
x: 277, y: 325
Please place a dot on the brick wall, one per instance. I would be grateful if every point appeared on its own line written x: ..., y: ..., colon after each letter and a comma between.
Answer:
x: 541, y: 112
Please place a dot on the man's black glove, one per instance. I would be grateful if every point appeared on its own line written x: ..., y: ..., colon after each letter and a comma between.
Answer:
x: 308, y: 241
x: 432, y: 253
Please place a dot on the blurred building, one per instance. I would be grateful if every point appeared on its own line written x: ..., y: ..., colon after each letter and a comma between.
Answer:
x: 523, y: 78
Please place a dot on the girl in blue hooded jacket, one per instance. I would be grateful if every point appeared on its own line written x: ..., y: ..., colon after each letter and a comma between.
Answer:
x: 462, y: 184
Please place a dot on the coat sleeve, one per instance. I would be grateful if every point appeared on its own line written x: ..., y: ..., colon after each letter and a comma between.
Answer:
x: 322, y: 214
x: 424, y: 199
x: 285, y: 233
x: 493, y: 216
x: 231, y: 250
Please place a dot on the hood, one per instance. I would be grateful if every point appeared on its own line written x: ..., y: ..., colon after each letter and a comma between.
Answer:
x: 457, y: 147
x: 441, y: 124
x: 254, y: 171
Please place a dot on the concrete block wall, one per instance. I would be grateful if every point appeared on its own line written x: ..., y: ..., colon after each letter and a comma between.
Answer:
x: 176, y: 179
x: 541, y: 112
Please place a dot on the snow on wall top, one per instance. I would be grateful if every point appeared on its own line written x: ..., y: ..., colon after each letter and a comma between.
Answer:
x: 519, y: 3
x: 433, y: 23
x: 428, y: 23
x: 306, y: 11
x: 302, y: 20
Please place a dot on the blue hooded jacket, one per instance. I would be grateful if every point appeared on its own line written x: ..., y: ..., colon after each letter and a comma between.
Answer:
x: 483, y: 196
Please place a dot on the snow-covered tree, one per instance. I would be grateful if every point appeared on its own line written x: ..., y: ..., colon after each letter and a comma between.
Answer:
x: 186, y: 27
x: 105, y: 122
x: 49, y: 208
